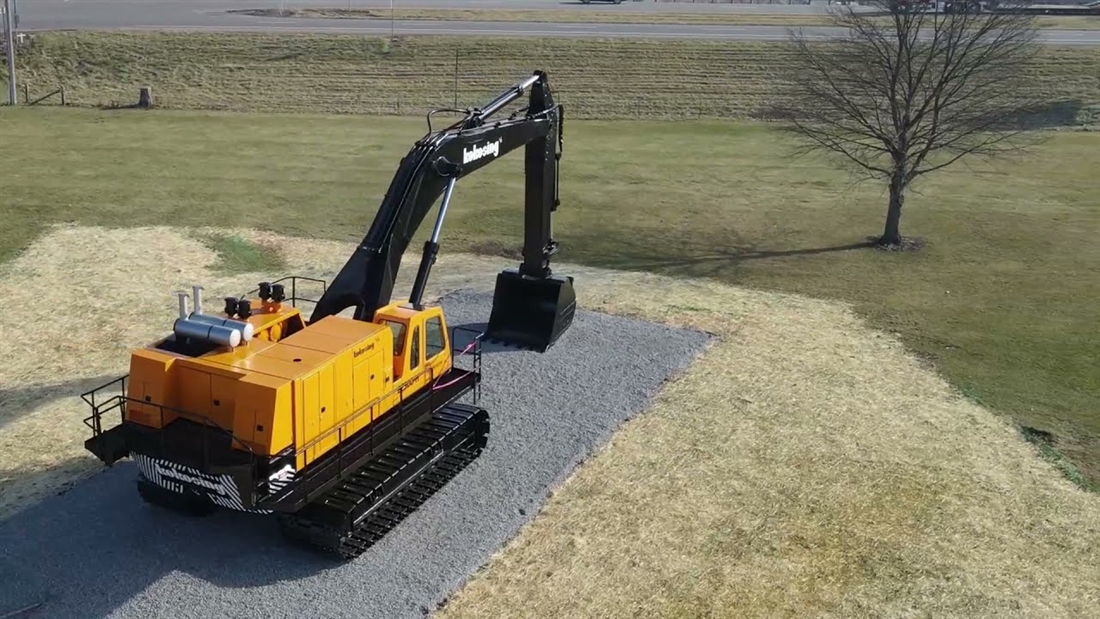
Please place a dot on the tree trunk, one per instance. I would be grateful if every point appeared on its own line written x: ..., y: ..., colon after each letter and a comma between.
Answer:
x: 892, y: 234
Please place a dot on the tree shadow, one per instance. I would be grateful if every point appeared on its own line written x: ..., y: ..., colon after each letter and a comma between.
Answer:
x: 1055, y: 115
x: 697, y: 258
x: 96, y: 546
x: 19, y: 401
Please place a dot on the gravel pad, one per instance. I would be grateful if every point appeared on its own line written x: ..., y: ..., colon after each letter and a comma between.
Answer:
x: 99, y: 551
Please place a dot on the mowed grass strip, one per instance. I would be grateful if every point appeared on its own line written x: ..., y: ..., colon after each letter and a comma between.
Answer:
x: 1003, y: 300
x: 731, y: 18
x: 597, y: 79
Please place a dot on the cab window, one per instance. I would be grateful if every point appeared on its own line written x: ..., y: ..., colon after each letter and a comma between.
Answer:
x: 414, y: 362
x: 398, y: 336
x: 434, y: 337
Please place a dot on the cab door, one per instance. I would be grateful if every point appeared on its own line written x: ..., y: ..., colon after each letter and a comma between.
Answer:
x: 436, y: 347
x: 416, y: 350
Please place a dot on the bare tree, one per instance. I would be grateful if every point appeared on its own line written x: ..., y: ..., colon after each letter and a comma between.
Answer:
x: 911, y: 89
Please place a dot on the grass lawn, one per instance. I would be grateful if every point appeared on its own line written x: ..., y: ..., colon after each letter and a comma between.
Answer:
x: 1004, y: 299
x: 621, y: 17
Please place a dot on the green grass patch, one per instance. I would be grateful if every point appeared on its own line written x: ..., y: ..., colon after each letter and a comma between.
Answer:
x: 238, y: 255
x: 1004, y: 299
x: 314, y: 73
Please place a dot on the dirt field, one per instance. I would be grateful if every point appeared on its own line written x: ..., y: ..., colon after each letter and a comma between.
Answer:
x: 825, y: 471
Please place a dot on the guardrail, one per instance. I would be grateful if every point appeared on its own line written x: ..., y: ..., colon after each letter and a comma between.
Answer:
x: 121, y: 401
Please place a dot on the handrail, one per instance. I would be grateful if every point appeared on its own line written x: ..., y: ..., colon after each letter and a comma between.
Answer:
x: 185, y: 413
x: 97, y: 428
x: 293, y: 298
x: 94, y: 421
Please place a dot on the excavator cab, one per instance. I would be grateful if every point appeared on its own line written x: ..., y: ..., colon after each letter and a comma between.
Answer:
x: 419, y: 340
x: 531, y: 312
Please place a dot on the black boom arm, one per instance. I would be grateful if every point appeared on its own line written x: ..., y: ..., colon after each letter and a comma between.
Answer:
x: 429, y: 170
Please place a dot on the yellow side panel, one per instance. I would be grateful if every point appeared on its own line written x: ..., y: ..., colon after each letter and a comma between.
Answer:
x: 361, y: 384
x: 310, y: 403
x: 299, y: 424
x: 194, y: 391
x: 152, y: 379
x: 380, y: 382
x: 256, y: 405
x: 223, y: 394
x: 343, y: 396
x: 326, y: 409
x: 266, y: 403
x: 281, y: 426
x: 264, y: 413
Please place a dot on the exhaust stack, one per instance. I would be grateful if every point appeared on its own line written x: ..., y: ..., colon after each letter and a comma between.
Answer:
x: 198, y: 299
x: 183, y: 305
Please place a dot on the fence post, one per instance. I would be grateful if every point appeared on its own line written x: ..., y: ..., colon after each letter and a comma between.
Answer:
x: 9, y: 41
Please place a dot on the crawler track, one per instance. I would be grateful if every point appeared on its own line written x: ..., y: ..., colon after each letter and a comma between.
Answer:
x: 351, y: 517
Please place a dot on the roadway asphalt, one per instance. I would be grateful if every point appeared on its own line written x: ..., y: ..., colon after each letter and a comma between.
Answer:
x: 214, y: 15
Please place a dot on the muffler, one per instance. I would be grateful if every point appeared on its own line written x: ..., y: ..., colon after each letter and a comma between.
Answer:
x: 531, y: 312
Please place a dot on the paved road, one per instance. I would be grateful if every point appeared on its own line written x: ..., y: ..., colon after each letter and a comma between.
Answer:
x: 213, y: 15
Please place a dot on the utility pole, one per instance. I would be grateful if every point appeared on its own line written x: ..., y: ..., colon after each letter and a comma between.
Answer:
x: 9, y: 40
x: 391, y: 20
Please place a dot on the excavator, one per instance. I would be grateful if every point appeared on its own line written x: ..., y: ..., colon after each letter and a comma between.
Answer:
x: 341, y: 425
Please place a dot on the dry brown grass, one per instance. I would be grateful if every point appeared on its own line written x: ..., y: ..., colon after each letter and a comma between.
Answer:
x: 620, y: 17
x: 349, y: 73
x: 805, y: 466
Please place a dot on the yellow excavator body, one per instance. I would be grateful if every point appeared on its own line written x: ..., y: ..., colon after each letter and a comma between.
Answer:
x: 293, y: 385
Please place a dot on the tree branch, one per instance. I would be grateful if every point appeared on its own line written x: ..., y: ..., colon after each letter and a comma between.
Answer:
x: 908, y: 92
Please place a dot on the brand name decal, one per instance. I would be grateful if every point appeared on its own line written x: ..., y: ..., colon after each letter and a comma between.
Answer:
x: 180, y: 476
x: 480, y: 152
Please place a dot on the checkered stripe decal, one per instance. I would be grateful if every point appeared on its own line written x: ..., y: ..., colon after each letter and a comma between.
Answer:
x: 219, y: 490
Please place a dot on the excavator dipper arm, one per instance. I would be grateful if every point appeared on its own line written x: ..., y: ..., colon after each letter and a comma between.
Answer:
x: 531, y: 306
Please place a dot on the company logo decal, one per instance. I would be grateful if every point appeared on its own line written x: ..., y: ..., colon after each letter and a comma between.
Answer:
x: 480, y: 152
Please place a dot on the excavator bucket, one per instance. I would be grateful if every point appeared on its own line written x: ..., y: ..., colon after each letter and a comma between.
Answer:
x: 531, y: 312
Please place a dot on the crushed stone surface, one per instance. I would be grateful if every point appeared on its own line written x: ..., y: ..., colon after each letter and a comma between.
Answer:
x: 99, y: 551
